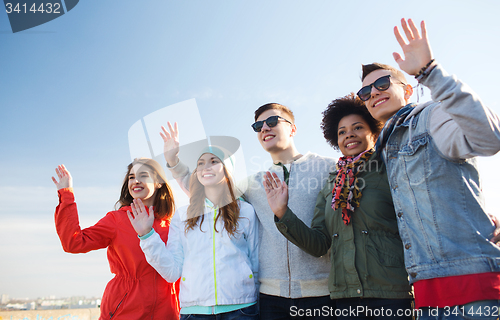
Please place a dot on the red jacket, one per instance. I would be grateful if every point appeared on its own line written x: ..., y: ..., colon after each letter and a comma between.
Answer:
x: 137, y: 291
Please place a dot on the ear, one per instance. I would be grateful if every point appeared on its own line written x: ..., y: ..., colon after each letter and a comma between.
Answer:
x: 294, y: 130
x: 408, y: 92
x: 373, y: 139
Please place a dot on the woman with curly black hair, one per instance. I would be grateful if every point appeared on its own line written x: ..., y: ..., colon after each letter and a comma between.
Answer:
x: 354, y: 219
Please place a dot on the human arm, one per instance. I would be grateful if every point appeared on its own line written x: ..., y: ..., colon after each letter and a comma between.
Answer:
x: 73, y: 238
x: 168, y: 259
x: 315, y: 240
x: 179, y: 170
x: 461, y: 125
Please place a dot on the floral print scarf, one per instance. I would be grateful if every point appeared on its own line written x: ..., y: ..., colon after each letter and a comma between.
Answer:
x: 346, y: 194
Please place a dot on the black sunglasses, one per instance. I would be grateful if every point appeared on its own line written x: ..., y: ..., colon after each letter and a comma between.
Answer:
x: 272, y: 121
x: 381, y: 84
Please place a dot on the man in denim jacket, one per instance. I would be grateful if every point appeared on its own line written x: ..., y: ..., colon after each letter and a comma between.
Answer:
x: 430, y: 151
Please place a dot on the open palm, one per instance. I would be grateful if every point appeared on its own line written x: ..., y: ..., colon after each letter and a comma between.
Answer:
x: 170, y: 143
x: 417, y: 51
x: 65, y: 179
x: 277, y: 194
x: 141, y: 220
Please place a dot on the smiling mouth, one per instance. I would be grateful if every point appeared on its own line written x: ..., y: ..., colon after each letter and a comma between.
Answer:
x: 380, y: 102
x: 137, y: 189
x: 208, y: 175
x: 351, y: 144
x: 266, y: 138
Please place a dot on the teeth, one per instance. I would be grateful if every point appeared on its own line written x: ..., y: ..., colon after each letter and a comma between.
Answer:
x: 209, y: 175
x: 379, y: 102
x: 351, y: 144
x: 268, y: 137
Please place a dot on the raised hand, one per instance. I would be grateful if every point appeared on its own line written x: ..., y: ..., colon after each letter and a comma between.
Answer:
x: 65, y: 180
x: 417, y: 52
x: 277, y: 194
x: 139, y: 218
x: 171, y: 143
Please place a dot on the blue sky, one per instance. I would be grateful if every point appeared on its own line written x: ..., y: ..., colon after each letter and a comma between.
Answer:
x: 71, y: 89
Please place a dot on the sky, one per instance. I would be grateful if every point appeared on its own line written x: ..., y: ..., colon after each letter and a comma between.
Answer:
x: 73, y: 88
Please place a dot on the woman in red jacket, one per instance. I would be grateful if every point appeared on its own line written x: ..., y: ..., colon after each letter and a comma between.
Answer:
x: 137, y: 291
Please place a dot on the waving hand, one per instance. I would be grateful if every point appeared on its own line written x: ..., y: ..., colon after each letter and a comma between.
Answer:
x: 277, y: 194
x: 417, y: 52
x: 171, y: 143
x: 141, y: 220
x: 65, y: 179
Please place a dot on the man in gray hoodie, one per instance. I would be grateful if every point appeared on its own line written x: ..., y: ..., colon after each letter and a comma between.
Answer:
x: 292, y: 282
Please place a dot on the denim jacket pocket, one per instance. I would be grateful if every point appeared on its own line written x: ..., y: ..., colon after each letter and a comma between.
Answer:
x: 414, y: 158
x: 410, y: 148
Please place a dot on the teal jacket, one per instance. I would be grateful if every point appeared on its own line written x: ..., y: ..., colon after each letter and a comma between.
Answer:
x: 366, y: 255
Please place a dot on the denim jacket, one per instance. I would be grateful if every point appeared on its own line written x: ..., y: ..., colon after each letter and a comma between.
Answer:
x: 438, y: 199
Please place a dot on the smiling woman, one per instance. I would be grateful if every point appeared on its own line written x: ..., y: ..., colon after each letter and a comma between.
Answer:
x: 136, y: 291
x: 142, y: 183
x: 354, y: 135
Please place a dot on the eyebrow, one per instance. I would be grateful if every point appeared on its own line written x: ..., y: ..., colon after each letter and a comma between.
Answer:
x: 351, y: 125
x: 140, y: 172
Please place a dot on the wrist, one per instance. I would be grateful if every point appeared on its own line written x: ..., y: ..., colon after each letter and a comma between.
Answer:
x: 172, y: 162
x: 425, y: 70
x: 142, y: 234
x: 146, y: 235
x: 280, y: 213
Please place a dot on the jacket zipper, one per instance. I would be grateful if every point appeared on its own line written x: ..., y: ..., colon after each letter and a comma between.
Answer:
x: 288, y: 243
x: 213, y: 247
x: 289, y: 272
x: 111, y: 314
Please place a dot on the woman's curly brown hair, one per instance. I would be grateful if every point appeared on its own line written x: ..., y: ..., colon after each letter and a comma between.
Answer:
x: 341, y: 107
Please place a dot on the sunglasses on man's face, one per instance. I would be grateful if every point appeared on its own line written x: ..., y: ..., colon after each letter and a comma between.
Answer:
x: 381, y: 84
x: 272, y: 121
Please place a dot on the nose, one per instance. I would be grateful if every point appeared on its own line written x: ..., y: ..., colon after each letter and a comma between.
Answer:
x: 265, y: 127
x: 349, y: 133
x: 374, y: 91
x: 205, y: 166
